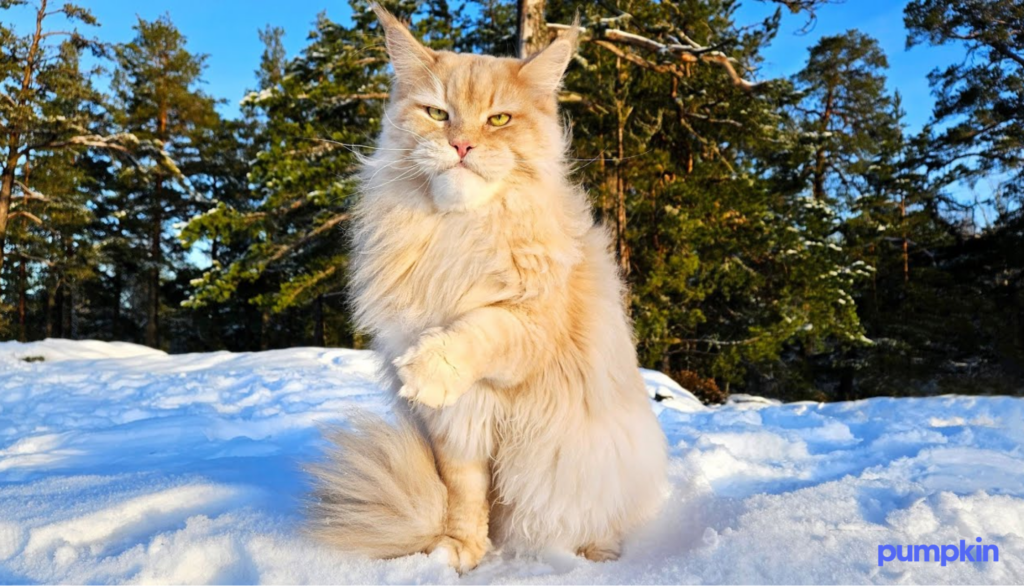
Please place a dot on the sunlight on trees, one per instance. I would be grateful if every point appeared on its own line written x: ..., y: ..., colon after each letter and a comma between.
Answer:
x: 785, y: 237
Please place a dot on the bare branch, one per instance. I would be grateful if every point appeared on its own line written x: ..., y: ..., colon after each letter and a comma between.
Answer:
x: 711, y: 120
x: 22, y: 254
x: 29, y: 193
x: 622, y: 37
x: 567, y: 97
x: 27, y: 215
x: 691, y: 52
x: 49, y: 34
x: 286, y: 249
x: 636, y: 59
x: 738, y: 81
x: 1004, y: 50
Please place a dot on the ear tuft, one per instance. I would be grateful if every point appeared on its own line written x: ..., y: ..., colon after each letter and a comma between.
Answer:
x: 410, y: 59
x: 544, y: 70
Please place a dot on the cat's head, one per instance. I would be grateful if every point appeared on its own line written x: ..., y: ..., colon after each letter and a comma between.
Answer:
x: 470, y: 126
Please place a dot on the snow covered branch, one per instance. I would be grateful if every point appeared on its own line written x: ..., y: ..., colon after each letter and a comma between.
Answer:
x: 115, y: 142
x: 686, y: 51
x: 94, y: 140
x: 29, y: 193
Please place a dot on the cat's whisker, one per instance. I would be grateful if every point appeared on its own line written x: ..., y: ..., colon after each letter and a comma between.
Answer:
x: 389, y: 166
x: 407, y: 175
x: 626, y: 158
x: 382, y: 164
x: 588, y: 160
x: 351, y: 146
x: 377, y: 172
x: 400, y: 165
x: 422, y: 140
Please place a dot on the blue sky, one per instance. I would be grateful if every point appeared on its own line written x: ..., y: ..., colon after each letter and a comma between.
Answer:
x: 226, y: 31
x: 881, y: 19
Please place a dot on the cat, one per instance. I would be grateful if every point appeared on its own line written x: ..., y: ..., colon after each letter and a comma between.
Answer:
x: 498, y: 309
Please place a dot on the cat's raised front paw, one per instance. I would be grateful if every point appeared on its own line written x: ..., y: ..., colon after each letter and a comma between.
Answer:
x: 427, y: 376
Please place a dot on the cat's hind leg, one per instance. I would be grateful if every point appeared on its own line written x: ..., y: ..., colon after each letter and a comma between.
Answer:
x: 602, y: 550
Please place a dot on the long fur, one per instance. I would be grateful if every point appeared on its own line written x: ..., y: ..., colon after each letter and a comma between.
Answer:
x: 378, y: 492
x: 497, y: 307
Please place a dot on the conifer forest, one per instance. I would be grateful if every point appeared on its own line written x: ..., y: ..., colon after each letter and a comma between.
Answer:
x: 788, y: 237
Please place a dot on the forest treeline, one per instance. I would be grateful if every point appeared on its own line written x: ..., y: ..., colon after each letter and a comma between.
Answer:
x: 783, y: 237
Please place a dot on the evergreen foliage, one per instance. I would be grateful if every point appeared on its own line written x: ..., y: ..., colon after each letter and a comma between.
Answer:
x: 784, y: 237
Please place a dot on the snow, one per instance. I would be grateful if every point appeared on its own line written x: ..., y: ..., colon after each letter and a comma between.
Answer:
x: 254, y: 98
x: 119, y: 463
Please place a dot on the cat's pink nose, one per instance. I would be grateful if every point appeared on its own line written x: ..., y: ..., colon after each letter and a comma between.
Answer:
x: 462, y: 146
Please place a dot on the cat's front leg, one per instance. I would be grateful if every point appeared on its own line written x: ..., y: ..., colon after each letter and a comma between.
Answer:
x: 492, y: 343
x: 468, y: 480
x: 430, y: 371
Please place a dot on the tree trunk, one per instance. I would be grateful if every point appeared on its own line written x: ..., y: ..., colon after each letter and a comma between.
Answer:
x: 22, y: 302
x: 621, y: 244
x: 115, y: 318
x: 6, y: 189
x: 532, y: 28
x: 820, y: 161
x: 71, y: 321
x: 153, y: 288
x: 818, y: 186
x: 1018, y: 303
x: 14, y: 134
x: 264, y: 329
x: 155, y: 248
x: 48, y: 311
x: 67, y: 317
x: 602, y: 198
x: 906, y: 241
x: 847, y: 387
x: 58, y: 308
x: 318, y: 316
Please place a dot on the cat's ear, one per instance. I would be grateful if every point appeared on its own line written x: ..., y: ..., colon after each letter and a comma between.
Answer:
x: 544, y: 70
x: 410, y: 59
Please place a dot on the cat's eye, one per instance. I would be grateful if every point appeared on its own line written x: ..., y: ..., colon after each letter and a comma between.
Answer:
x: 499, y: 119
x: 437, y: 114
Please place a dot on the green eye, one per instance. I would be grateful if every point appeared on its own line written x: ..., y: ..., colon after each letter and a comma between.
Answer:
x: 499, y: 119
x: 437, y: 114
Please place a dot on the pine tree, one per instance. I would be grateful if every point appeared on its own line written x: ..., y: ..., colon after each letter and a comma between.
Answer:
x: 844, y: 115
x: 46, y: 107
x: 668, y: 132
x: 487, y: 26
x: 155, y: 85
x: 843, y: 122
x: 977, y: 133
x: 52, y: 249
x: 317, y: 116
x: 978, y: 105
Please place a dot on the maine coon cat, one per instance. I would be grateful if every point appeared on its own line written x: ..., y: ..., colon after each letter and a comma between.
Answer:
x: 498, y: 310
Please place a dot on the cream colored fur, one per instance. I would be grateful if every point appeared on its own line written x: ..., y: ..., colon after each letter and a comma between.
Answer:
x: 498, y: 310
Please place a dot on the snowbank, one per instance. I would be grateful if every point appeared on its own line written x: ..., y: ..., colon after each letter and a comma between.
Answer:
x: 121, y: 463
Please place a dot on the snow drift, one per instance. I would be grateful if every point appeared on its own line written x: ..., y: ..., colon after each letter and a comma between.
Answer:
x: 121, y: 463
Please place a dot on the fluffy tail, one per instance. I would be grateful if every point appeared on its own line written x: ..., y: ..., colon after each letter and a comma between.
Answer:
x: 379, y: 493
